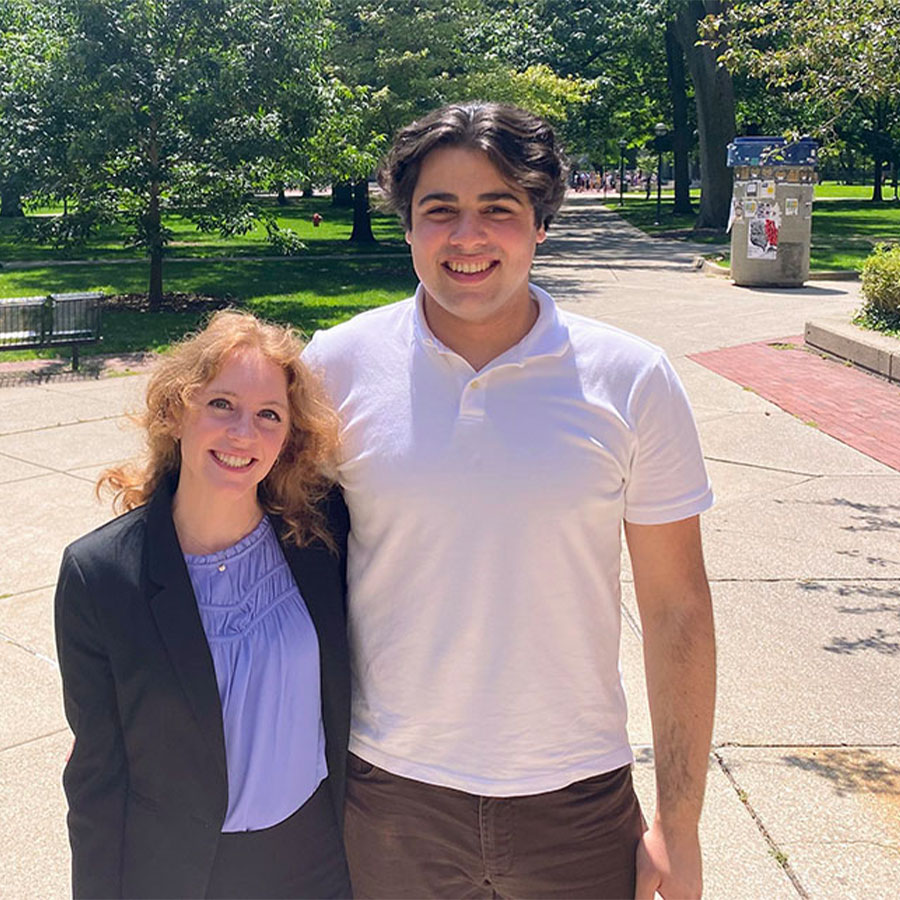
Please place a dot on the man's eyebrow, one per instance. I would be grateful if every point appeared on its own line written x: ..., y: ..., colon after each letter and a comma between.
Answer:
x: 490, y: 197
x: 436, y: 195
x: 500, y: 195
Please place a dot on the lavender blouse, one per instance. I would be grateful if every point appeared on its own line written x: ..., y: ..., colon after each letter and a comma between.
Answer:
x: 266, y: 655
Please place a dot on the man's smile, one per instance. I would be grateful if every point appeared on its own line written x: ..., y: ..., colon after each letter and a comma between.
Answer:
x: 470, y: 267
x: 461, y: 270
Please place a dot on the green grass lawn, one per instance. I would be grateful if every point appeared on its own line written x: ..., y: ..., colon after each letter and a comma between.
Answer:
x: 844, y: 229
x: 304, y: 290
x: 110, y: 242
x: 309, y: 294
x: 827, y: 190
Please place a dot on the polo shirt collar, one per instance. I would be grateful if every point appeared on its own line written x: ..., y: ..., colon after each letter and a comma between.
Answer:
x: 549, y: 335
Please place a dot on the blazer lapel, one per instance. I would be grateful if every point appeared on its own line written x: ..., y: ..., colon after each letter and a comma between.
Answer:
x: 175, y: 610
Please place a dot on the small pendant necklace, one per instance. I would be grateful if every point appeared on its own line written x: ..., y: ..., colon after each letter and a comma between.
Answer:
x: 194, y: 547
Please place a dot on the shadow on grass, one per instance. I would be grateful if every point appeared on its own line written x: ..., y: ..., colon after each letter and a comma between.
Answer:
x: 240, y: 280
x: 308, y: 294
x: 112, y: 240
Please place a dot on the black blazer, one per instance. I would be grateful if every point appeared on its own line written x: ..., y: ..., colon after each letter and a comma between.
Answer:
x: 146, y: 781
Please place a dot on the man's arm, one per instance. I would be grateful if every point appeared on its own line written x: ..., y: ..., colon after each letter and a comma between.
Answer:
x: 679, y: 657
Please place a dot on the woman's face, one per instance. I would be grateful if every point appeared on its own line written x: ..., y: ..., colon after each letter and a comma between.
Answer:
x: 234, y: 428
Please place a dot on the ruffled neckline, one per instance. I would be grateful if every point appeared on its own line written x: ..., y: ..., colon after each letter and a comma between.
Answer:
x: 229, y: 553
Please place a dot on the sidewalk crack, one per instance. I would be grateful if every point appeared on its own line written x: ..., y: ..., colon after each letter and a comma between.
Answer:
x: 36, y: 653
x: 33, y: 740
x: 63, y: 424
x: 779, y: 854
x: 749, y: 465
x: 813, y: 745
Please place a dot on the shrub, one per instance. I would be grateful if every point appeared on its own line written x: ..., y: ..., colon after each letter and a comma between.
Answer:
x: 881, y: 282
x: 286, y: 241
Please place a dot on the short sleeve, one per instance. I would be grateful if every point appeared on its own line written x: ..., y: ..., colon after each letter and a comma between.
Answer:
x: 667, y: 479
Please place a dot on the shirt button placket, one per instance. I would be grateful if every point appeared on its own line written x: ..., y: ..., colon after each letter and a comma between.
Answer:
x: 471, y: 404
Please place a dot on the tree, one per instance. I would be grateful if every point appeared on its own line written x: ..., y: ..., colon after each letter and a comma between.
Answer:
x: 838, y: 58
x: 345, y: 149
x: 391, y: 73
x: 627, y: 52
x: 615, y: 48
x: 681, y: 130
x: 31, y: 39
x: 714, y: 98
x: 186, y: 103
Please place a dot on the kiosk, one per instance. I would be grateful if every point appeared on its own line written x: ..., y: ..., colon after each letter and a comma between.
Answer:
x: 771, y: 210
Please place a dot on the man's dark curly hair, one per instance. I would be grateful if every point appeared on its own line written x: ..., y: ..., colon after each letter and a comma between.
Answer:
x: 520, y: 144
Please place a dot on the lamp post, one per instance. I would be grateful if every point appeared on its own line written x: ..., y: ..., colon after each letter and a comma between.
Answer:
x: 622, y: 145
x: 660, y: 130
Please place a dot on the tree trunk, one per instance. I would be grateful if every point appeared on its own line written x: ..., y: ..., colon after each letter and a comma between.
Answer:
x: 681, y: 133
x: 307, y: 190
x: 153, y: 236
x: 282, y: 199
x: 877, y: 170
x: 362, y: 220
x: 880, y: 144
x: 155, y: 289
x: 342, y: 193
x: 10, y: 200
x: 714, y: 96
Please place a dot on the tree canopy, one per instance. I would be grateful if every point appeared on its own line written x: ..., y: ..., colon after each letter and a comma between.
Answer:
x: 126, y: 108
x: 835, y: 63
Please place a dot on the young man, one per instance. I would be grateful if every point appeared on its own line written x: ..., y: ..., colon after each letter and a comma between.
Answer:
x: 493, y: 445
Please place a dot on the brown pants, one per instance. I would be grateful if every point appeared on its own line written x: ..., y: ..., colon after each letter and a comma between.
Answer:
x: 407, y: 839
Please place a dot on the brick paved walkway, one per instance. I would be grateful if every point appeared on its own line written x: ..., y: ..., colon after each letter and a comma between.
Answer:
x: 857, y: 409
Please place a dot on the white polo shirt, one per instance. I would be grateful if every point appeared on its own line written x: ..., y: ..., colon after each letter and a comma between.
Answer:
x: 486, y: 512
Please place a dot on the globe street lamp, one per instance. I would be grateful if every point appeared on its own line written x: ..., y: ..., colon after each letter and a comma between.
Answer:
x: 622, y: 145
x: 660, y: 130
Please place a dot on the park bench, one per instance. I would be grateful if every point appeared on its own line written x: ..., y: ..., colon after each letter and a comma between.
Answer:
x: 58, y: 319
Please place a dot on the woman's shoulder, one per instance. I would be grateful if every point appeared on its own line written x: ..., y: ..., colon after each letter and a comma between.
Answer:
x: 114, y: 539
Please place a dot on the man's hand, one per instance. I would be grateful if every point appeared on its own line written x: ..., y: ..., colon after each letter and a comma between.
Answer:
x: 668, y: 865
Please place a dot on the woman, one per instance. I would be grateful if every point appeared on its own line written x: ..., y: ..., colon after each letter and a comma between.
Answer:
x: 202, y: 643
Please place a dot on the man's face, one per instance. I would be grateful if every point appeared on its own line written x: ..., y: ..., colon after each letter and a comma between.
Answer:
x: 473, y: 238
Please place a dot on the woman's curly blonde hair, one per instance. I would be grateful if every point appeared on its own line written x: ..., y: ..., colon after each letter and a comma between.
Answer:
x: 299, y: 479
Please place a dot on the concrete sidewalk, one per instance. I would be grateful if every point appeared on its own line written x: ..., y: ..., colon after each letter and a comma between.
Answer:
x: 802, y: 549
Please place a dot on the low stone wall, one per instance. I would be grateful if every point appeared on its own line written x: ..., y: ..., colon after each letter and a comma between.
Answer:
x: 878, y: 353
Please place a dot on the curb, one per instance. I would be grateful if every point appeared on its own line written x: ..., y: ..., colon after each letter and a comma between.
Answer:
x: 708, y: 267
x: 869, y: 350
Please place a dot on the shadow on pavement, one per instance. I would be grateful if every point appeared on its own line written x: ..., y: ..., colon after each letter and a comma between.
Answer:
x: 851, y: 771
x: 806, y: 291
